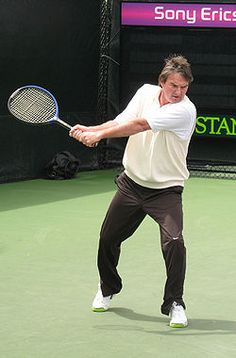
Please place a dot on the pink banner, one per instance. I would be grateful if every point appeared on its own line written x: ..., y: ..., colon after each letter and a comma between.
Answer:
x: 178, y: 14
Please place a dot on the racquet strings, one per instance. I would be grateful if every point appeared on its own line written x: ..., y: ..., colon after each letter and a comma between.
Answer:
x: 33, y: 105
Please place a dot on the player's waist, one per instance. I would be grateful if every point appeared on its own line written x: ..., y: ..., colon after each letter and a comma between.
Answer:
x: 157, y: 182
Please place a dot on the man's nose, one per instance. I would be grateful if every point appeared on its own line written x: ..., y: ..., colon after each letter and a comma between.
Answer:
x: 178, y: 90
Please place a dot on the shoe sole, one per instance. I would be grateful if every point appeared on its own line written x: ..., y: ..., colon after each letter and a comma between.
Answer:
x: 178, y: 325
x: 101, y: 309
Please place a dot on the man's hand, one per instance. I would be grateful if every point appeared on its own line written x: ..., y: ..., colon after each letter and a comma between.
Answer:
x: 85, y: 136
x: 90, y: 139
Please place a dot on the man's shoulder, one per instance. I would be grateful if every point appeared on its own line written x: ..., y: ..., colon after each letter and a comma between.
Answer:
x: 188, y: 104
x: 188, y: 101
x: 148, y: 92
x: 150, y: 88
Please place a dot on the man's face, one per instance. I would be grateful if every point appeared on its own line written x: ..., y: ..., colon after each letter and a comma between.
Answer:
x: 174, y: 89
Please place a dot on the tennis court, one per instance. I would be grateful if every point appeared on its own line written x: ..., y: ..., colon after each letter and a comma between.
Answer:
x: 49, y: 235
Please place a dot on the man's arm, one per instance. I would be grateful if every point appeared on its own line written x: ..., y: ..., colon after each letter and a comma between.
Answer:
x: 82, y: 128
x: 110, y: 129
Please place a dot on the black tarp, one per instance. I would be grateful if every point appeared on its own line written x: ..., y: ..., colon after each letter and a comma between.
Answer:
x: 54, y: 44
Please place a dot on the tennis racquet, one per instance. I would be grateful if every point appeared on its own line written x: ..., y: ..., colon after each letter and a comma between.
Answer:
x: 35, y: 105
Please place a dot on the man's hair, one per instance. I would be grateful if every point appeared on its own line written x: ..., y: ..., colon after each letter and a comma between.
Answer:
x: 176, y: 64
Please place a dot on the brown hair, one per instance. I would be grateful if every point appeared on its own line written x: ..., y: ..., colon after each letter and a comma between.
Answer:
x: 176, y: 64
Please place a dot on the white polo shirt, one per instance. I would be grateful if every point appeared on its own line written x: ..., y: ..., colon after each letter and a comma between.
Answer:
x: 156, y: 158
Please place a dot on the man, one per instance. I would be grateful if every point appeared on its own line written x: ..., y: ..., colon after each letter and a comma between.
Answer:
x: 159, y: 121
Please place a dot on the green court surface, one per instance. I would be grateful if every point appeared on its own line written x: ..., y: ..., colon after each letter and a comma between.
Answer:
x: 48, y: 274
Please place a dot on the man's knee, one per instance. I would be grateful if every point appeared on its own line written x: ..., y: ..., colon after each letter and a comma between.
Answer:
x: 173, y: 243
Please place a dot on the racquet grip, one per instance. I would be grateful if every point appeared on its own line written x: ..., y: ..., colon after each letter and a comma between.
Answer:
x: 64, y: 124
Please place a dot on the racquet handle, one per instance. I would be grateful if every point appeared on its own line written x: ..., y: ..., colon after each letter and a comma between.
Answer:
x: 63, y: 124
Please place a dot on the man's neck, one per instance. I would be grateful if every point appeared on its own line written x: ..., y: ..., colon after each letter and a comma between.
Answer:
x: 162, y: 99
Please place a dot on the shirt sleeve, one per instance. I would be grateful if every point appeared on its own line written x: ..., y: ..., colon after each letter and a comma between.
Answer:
x: 179, y: 118
x: 133, y: 108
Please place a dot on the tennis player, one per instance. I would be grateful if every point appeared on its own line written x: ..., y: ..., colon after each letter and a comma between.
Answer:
x: 159, y: 121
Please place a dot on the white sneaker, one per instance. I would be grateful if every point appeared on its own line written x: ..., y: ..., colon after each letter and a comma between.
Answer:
x: 178, y: 317
x: 100, y: 303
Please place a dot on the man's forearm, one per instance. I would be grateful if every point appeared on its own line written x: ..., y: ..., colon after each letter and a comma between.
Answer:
x: 102, y: 126
x: 124, y: 129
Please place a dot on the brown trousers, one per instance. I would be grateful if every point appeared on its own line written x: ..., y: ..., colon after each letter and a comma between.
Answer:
x: 127, y: 210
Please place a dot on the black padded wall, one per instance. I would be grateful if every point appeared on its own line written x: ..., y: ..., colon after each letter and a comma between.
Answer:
x: 54, y: 44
